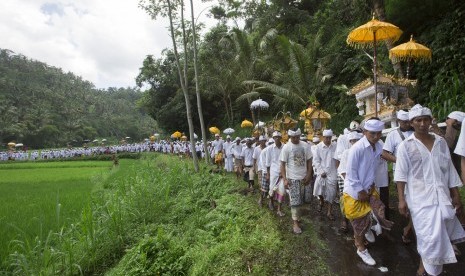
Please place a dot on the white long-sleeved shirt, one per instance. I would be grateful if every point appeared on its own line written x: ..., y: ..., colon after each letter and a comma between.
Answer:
x: 272, y: 159
x: 256, y: 156
x: 362, y: 163
x: 393, y: 140
x: 324, y: 160
x: 263, y: 155
x: 428, y: 175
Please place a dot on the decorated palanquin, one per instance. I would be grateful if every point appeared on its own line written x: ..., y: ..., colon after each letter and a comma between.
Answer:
x: 316, y: 120
x: 393, y: 95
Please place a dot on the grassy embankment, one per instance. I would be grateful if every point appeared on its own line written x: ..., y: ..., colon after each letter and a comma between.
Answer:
x: 40, y: 197
x: 156, y: 216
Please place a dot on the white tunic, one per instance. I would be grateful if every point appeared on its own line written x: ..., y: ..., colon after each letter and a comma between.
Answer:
x: 324, y: 160
x: 460, y: 148
x: 393, y: 140
x: 428, y: 177
x: 362, y: 164
x: 256, y: 156
x: 342, y: 144
x: 272, y: 160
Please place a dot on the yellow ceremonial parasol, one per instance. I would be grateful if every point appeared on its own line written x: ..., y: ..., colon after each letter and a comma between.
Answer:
x: 246, y: 123
x: 214, y: 130
x: 176, y: 134
x: 11, y: 144
x: 410, y: 51
x: 368, y: 35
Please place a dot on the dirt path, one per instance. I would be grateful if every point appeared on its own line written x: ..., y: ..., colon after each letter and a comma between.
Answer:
x: 340, y: 255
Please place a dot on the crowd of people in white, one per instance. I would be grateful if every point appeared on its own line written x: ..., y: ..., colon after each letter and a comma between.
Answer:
x: 350, y: 170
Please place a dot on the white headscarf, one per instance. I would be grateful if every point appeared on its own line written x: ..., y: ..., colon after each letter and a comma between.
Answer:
x: 354, y: 136
x: 417, y: 111
x: 296, y: 132
x: 402, y: 115
x: 276, y: 134
x: 327, y: 132
x: 373, y: 125
x: 457, y: 115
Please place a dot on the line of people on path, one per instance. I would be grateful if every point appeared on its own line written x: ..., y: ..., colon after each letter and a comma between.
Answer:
x: 354, y: 173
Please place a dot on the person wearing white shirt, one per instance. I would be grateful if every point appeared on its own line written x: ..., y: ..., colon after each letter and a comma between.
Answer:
x: 343, y: 142
x: 460, y: 149
x: 274, y: 177
x: 248, y: 162
x: 236, y: 150
x: 360, y: 199
x: 393, y: 140
x: 325, y: 165
x: 217, y: 145
x: 353, y: 137
x: 257, y: 162
x: 427, y: 185
x: 265, y: 183
x: 228, y: 156
x: 296, y: 169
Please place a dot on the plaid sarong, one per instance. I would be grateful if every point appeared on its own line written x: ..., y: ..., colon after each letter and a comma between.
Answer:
x: 265, y: 184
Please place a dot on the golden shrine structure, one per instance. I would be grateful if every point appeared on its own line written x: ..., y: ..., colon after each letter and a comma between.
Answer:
x: 392, y: 96
x: 316, y: 120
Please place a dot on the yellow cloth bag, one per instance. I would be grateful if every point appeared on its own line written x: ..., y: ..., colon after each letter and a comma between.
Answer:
x: 354, y: 209
x: 219, y: 157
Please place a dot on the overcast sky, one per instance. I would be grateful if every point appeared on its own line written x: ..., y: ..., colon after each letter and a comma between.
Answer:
x: 104, y: 41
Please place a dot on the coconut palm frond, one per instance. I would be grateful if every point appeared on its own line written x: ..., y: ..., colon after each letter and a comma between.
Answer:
x: 247, y: 96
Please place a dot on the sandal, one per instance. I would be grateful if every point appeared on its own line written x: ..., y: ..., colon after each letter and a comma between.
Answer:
x: 280, y: 213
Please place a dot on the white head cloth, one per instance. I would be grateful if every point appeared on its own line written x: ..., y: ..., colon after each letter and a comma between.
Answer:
x: 217, y: 135
x: 238, y: 138
x: 296, y: 132
x: 276, y: 134
x: 262, y: 138
x: 457, y: 115
x: 402, y: 115
x: 228, y: 137
x: 316, y: 139
x: 327, y: 132
x: 303, y: 137
x: 373, y: 125
x: 270, y: 141
x: 354, y: 136
x: 417, y: 111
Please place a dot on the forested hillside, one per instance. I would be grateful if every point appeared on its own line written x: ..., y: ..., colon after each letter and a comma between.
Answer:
x: 290, y: 52
x: 42, y: 106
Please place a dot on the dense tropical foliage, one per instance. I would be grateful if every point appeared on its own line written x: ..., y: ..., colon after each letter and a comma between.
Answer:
x: 285, y: 52
x: 42, y: 106
x: 290, y: 52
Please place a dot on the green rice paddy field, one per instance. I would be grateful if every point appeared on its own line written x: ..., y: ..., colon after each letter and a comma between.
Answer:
x: 37, y: 198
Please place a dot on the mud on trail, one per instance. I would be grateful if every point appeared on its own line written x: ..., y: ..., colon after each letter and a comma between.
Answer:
x: 322, y: 245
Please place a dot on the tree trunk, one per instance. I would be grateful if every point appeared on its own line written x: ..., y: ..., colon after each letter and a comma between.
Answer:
x: 197, y: 89
x: 378, y: 6
x: 183, y: 83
